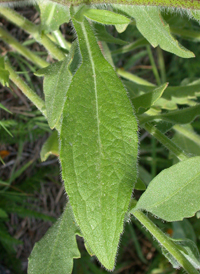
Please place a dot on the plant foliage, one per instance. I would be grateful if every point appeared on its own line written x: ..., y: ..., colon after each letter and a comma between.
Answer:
x: 96, y: 115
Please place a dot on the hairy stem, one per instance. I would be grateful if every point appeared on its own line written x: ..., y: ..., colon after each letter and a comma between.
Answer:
x: 165, y: 242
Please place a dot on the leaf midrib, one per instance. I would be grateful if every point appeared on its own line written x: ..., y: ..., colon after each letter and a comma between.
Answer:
x: 96, y: 94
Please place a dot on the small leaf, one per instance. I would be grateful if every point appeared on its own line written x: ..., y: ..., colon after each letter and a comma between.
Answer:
x: 103, y: 35
x: 50, y: 147
x: 52, y: 15
x: 148, y: 99
x: 121, y: 28
x: 98, y: 149
x: 54, y: 253
x: 182, y: 116
x: 140, y: 185
x: 57, y: 79
x: 150, y: 23
x: 189, y: 249
x: 106, y: 17
x: 174, y: 193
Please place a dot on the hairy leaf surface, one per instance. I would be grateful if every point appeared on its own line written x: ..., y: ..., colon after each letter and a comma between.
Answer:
x: 53, y: 15
x: 55, y: 252
x: 150, y: 23
x: 174, y: 193
x: 57, y: 79
x: 98, y: 148
x: 148, y: 99
x: 106, y: 17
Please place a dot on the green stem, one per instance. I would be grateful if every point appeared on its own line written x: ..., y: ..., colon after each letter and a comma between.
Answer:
x: 153, y: 64
x: 30, y: 94
x: 61, y: 40
x: 186, y: 4
x: 165, y: 242
x: 7, y: 38
x: 181, y: 155
x: 34, y: 30
x: 161, y: 63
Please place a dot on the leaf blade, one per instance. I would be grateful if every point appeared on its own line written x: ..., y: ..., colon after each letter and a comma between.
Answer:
x: 153, y: 27
x: 57, y: 257
x: 174, y: 193
x: 91, y: 125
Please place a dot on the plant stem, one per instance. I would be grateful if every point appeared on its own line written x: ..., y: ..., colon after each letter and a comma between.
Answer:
x: 30, y: 94
x: 61, y: 40
x: 34, y: 30
x: 161, y: 63
x: 153, y: 64
x: 7, y: 38
x: 181, y: 155
x: 165, y: 242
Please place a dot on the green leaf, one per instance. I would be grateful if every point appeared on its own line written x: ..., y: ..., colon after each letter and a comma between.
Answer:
x: 132, y: 46
x: 106, y: 17
x: 57, y: 79
x: 181, y: 91
x: 140, y: 185
x: 150, y: 23
x: 148, y: 99
x: 3, y: 214
x: 182, y: 116
x: 121, y: 28
x: 4, y: 74
x: 189, y: 249
x: 54, y: 253
x: 50, y: 147
x: 186, y: 144
x: 103, y: 35
x: 4, y: 108
x: 174, y: 193
x: 183, y: 229
x: 52, y: 15
x: 98, y: 148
